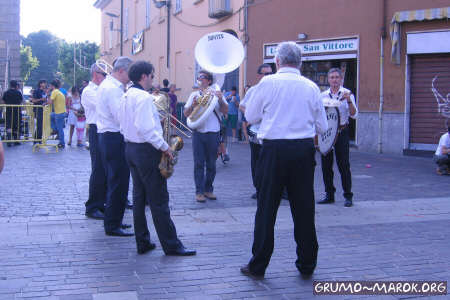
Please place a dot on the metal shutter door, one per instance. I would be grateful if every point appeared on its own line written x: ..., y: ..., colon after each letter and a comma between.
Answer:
x: 427, y: 123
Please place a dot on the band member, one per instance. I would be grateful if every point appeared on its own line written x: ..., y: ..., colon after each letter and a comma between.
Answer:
x: 347, y: 109
x: 97, y: 182
x: 205, y: 139
x: 112, y: 146
x: 255, y: 144
x: 141, y: 128
x: 290, y: 112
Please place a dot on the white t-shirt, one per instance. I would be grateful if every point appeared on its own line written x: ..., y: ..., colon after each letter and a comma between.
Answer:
x: 443, y: 141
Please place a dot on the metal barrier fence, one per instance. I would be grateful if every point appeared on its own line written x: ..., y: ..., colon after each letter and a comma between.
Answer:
x: 26, y: 123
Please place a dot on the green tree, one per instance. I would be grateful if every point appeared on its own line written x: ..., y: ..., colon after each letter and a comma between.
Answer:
x: 86, y: 54
x: 27, y: 62
x: 45, y: 48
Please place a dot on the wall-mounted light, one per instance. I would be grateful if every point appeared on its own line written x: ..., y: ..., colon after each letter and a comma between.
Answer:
x: 302, y: 36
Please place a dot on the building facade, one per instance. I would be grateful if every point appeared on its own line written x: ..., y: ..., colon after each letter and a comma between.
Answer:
x: 168, y: 40
x: 9, y: 42
x: 402, y: 84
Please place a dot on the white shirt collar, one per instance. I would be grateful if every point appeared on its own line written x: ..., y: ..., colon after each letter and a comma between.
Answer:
x: 289, y: 70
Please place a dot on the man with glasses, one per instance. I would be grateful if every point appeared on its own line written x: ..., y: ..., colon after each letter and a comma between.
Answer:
x: 112, y: 146
x: 95, y: 204
x: 205, y: 140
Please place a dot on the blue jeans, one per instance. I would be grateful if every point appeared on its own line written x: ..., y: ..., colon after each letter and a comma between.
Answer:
x: 204, y: 146
x: 57, y: 124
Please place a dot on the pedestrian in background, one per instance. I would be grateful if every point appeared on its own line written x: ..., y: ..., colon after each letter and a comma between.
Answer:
x: 233, y: 104
x: 2, y: 157
x: 442, y: 154
x: 13, y: 114
x: 57, y: 117
x: 73, y: 105
x: 39, y: 97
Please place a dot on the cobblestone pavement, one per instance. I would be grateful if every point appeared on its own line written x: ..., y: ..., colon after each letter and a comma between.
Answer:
x: 398, y: 229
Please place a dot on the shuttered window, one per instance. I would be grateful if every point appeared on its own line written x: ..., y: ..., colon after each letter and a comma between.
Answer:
x: 429, y: 106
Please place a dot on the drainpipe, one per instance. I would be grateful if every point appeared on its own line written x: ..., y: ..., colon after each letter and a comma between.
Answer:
x: 380, y: 111
x: 245, y: 40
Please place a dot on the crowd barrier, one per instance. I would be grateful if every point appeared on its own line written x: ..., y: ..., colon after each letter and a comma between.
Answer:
x: 26, y: 123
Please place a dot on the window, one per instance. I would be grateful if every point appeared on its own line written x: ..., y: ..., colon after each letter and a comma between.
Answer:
x: 177, y: 6
x: 125, y: 25
x: 148, y: 4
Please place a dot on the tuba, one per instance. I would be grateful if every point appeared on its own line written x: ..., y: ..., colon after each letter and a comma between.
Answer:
x: 218, y: 53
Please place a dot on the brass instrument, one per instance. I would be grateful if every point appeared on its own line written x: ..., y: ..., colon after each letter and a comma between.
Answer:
x: 203, y: 102
x: 166, y: 165
x: 104, y: 66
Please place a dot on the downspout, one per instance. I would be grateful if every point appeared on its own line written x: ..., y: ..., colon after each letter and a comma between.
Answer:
x: 245, y: 41
x: 380, y: 111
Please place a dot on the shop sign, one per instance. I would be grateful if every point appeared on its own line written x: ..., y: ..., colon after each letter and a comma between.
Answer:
x: 329, y: 46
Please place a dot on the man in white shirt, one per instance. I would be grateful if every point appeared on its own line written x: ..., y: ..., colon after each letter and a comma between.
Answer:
x: 141, y: 128
x: 97, y: 181
x: 112, y: 146
x: 255, y: 145
x: 442, y: 154
x: 290, y: 112
x: 205, y: 139
x: 347, y: 109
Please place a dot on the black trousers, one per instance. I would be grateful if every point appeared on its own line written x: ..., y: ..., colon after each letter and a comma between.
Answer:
x: 341, y: 149
x: 290, y: 164
x: 38, y: 114
x: 150, y: 187
x: 97, y: 181
x: 13, y: 118
x: 254, y: 156
x: 204, y: 148
x: 112, y: 148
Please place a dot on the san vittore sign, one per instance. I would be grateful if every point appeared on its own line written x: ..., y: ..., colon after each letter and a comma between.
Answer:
x: 319, y: 47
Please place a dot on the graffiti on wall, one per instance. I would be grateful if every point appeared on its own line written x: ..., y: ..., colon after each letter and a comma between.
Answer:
x: 442, y: 102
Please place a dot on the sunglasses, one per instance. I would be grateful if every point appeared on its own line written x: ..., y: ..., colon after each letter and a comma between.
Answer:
x: 152, y: 76
x: 102, y: 73
x: 202, y: 77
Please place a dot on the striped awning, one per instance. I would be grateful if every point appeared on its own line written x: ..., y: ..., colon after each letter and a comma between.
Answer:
x: 411, y: 16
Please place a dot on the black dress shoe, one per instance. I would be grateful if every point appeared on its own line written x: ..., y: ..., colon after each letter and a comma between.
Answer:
x: 328, y: 199
x: 254, y: 196
x: 246, y: 271
x: 118, y: 232
x: 145, y: 248
x: 181, y: 252
x: 348, y: 202
x: 96, y: 214
x: 125, y: 226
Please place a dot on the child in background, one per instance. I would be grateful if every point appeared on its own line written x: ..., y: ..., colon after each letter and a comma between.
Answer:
x: 73, y: 105
x: 81, y: 124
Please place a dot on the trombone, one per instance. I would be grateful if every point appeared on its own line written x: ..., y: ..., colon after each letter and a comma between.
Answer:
x: 163, y: 114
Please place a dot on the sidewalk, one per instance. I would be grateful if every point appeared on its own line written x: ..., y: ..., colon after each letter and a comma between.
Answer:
x: 398, y: 229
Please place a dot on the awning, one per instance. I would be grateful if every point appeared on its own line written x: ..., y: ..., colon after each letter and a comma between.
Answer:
x: 411, y: 16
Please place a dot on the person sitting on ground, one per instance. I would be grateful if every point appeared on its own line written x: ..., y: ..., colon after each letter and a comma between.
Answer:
x: 442, y: 155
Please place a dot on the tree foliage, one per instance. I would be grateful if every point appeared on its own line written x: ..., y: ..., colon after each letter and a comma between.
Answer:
x: 56, y: 58
x: 27, y: 62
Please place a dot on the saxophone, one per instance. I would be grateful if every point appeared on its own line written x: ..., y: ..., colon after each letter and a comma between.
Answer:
x: 166, y: 165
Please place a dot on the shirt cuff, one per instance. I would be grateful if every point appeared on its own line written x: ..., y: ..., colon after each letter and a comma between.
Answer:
x: 164, y: 147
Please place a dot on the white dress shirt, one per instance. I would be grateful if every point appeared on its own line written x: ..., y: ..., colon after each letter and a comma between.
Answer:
x: 288, y: 105
x: 89, y: 101
x: 139, y: 119
x: 344, y: 110
x: 109, y: 95
x: 211, y: 123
